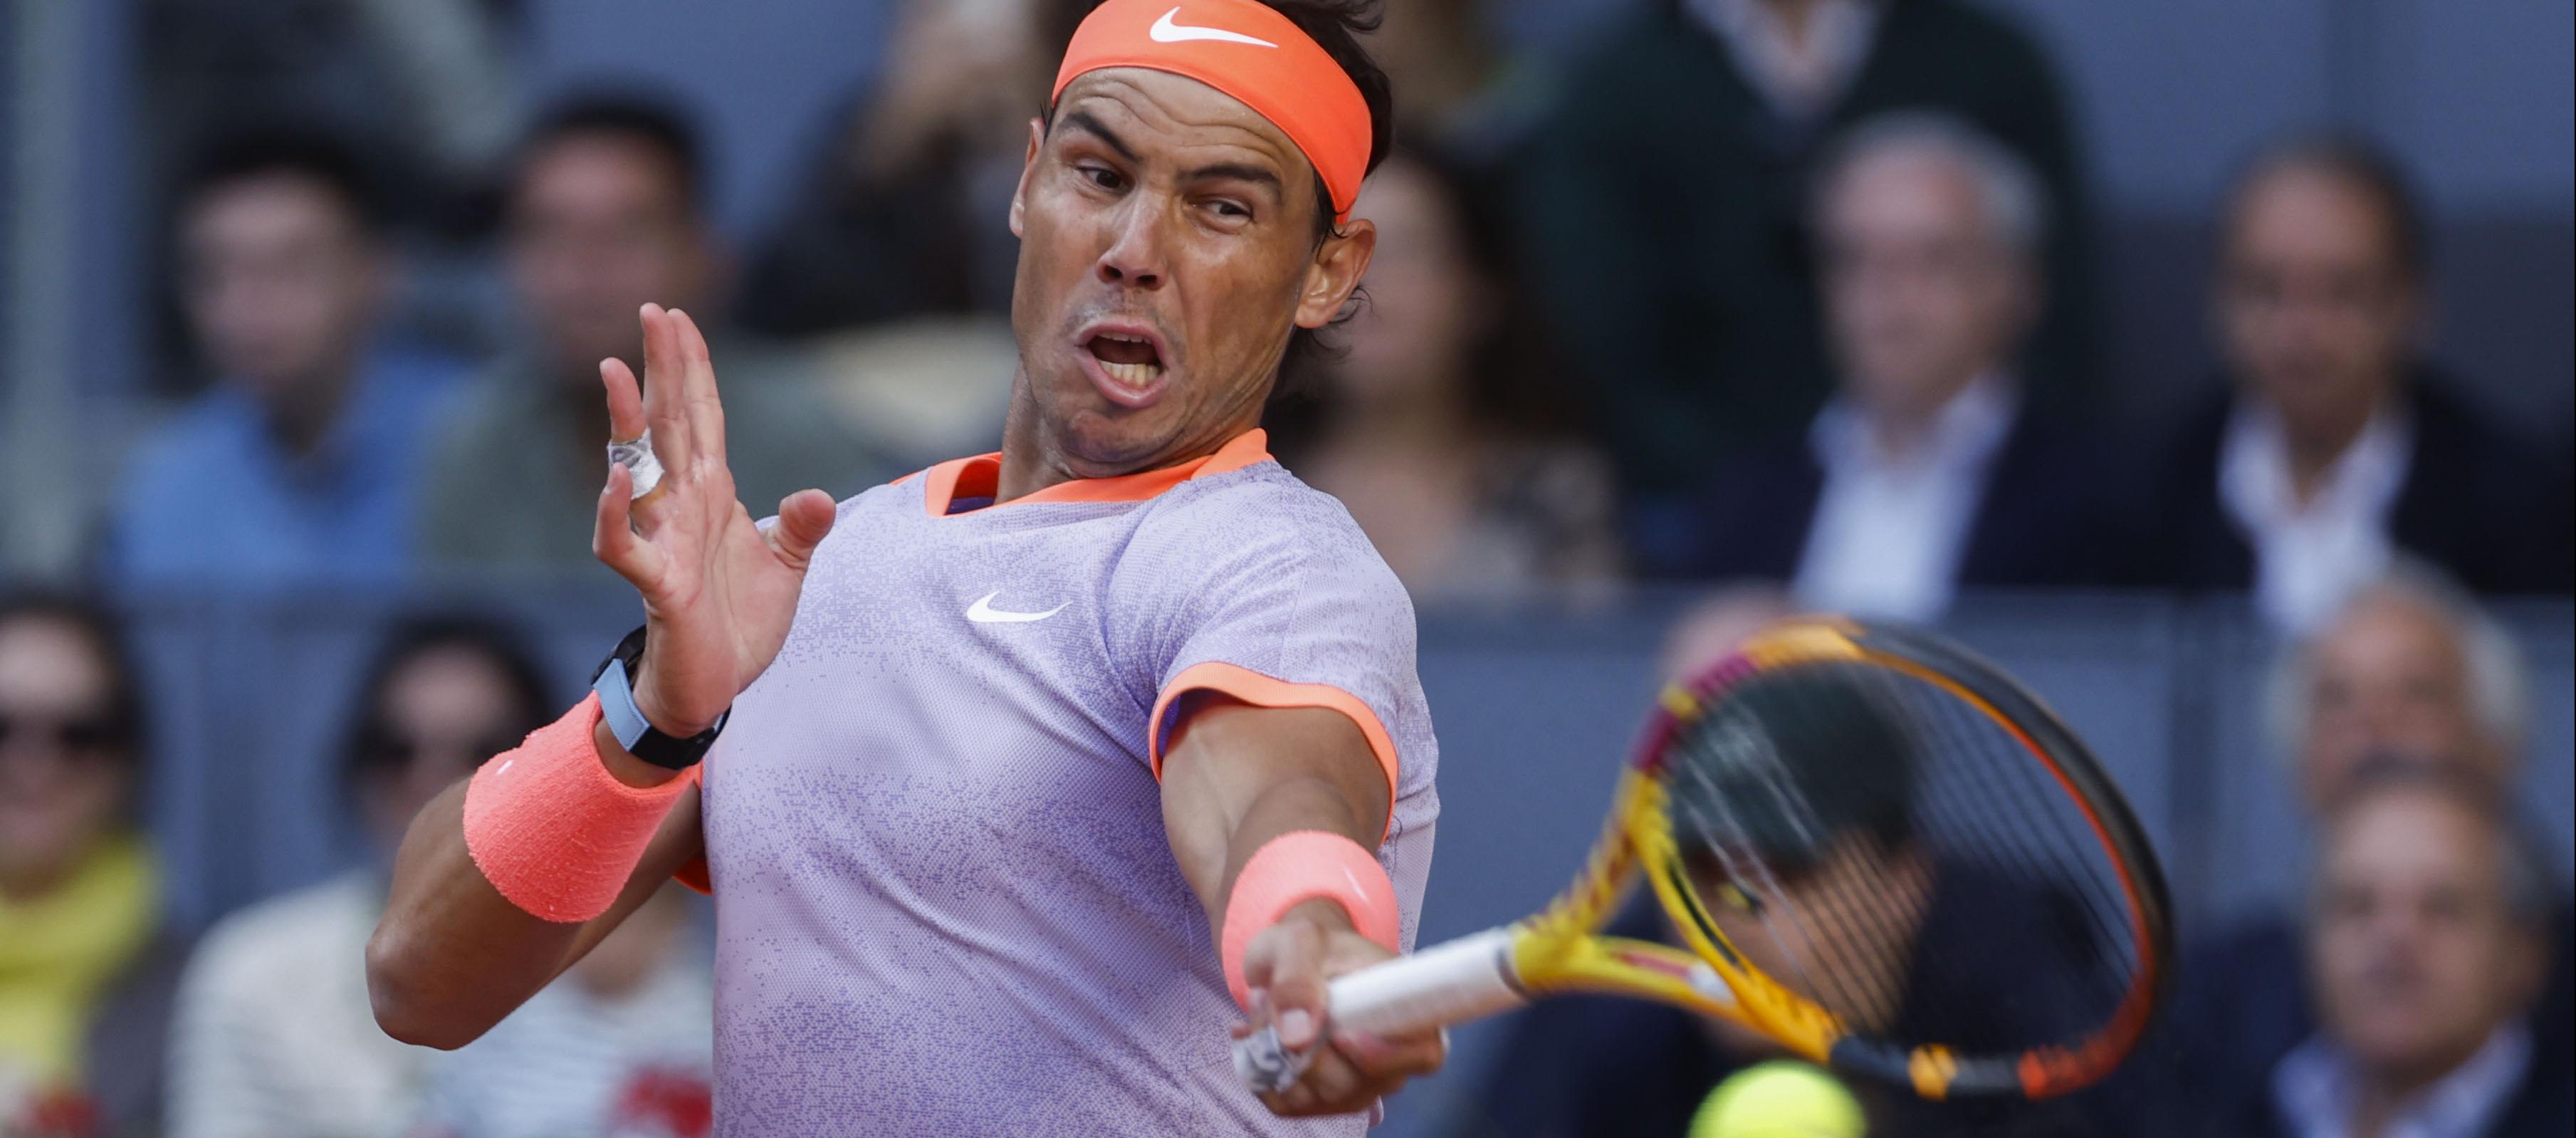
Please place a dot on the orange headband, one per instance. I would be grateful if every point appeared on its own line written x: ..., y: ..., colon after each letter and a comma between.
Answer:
x: 1251, y: 52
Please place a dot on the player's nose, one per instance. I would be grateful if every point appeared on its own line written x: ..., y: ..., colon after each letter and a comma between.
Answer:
x: 1136, y: 254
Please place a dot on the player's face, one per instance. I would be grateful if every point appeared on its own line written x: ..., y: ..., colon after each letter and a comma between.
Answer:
x: 599, y: 225
x: 2313, y: 310
x: 2389, y: 679
x: 442, y: 713
x: 2413, y: 954
x: 62, y: 775
x: 281, y: 284
x: 1167, y: 251
x: 1921, y: 293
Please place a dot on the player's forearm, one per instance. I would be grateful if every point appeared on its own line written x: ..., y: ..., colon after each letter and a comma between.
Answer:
x: 1237, y: 777
x: 452, y: 956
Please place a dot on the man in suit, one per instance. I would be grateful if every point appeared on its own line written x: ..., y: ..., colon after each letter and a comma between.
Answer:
x: 1664, y: 203
x: 2337, y: 446
x: 2427, y: 942
x: 1927, y: 471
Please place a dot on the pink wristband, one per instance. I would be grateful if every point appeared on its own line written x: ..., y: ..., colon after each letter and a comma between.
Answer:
x: 1298, y: 867
x: 553, y: 830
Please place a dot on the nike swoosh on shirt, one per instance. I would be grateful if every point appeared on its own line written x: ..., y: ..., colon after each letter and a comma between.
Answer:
x: 1165, y: 31
x: 983, y: 612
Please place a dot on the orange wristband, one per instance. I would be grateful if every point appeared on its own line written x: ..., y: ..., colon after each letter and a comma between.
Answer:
x: 1292, y: 869
x: 553, y: 830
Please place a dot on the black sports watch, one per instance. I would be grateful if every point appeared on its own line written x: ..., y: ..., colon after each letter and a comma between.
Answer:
x: 615, y: 683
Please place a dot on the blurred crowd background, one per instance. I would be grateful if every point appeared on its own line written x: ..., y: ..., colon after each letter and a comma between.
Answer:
x: 2209, y: 364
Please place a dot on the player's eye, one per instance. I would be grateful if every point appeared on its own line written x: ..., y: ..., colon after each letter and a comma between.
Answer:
x: 1103, y: 177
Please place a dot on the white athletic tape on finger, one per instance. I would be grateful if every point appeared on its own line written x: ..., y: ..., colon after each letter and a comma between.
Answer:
x: 636, y: 455
x: 1465, y: 979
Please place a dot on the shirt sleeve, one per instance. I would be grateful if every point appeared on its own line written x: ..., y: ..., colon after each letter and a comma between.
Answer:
x: 1297, y: 615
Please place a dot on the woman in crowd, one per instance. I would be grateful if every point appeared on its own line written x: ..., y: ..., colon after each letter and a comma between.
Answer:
x: 273, y: 1035
x: 86, y: 969
x: 1422, y: 426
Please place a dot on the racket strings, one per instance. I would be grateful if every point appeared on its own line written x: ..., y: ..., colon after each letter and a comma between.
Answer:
x: 1987, y: 800
x: 2074, y: 859
x: 1816, y: 943
x: 1788, y: 790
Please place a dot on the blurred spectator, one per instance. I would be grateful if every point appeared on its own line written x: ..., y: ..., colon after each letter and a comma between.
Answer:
x: 2428, y: 934
x: 606, y: 214
x: 1459, y: 500
x: 902, y: 214
x: 2339, y: 445
x: 1666, y: 204
x: 304, y: 462
x: 86, y: 969
x: 1929, y: 471
x: 426, y: 92
x: 2407, y: 672
x: 1462, y: 93
x: 623, y: 1046
x: 273, y: 1036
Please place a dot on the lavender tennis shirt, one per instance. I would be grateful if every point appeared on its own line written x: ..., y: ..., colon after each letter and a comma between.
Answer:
x: 945, y: 901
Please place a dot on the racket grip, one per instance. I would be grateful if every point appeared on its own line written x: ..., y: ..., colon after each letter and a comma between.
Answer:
x: 1460, y: 980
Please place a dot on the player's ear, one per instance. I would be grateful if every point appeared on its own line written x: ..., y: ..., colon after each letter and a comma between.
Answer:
x: 1028, y: 167
x: 1335, y: 273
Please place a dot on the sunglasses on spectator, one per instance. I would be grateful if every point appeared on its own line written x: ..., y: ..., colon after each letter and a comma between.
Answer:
x: 79, y: 735
x: 393, y: 749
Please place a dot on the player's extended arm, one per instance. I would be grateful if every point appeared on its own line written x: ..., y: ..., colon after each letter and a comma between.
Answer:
x: 498, y: 888
x: 1237, y: 777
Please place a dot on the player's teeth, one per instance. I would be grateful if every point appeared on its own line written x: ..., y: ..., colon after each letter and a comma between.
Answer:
x: 1137, y: 376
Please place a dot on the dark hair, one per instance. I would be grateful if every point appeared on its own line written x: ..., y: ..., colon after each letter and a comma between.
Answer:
x: 370, y: 746
x: 1336, y: 26
x: 127, y: 724
x: 2365, y: 166
x: 314, y: 155
x: 656, y: 122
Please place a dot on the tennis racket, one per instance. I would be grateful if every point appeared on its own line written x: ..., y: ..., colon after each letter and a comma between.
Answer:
x: 1878, y: 850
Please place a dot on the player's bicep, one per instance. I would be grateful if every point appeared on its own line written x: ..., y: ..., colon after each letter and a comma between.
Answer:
x: 1236, y: 775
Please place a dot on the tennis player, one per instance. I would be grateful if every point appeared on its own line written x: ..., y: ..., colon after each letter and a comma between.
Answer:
x: 1019, y: 780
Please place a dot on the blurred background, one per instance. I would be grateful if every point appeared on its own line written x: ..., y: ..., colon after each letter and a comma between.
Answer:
x: 2209, y: 365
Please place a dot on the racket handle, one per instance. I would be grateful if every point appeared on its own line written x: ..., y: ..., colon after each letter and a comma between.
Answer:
x: 1467, y: 978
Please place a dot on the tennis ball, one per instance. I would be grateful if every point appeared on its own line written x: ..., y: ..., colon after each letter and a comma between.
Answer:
x: 1779, y: 1099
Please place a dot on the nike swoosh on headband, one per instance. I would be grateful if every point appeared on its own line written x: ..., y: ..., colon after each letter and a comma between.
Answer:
x: 983, y: 612
x: 1165, y: 31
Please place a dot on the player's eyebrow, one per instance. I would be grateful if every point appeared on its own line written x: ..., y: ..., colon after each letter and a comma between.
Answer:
x: 1084, y: 121
x: 1241, y: 172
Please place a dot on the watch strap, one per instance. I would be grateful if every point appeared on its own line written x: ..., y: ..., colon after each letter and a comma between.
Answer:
x: 626, y: 721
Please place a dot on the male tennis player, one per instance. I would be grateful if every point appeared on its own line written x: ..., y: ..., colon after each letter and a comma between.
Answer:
x: 1033, y: 767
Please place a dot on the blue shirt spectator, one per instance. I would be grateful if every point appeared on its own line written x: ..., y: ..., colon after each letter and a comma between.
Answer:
x: 303, y: 464
x: 217, y: 495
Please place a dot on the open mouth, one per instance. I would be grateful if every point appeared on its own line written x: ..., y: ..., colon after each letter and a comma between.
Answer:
x: 1131, y: 361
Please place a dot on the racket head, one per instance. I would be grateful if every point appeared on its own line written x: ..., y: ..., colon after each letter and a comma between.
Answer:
x: 1810, y: 808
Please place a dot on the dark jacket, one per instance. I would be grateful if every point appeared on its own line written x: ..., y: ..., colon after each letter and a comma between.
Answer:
x: 1606, y: 1067
x: 1664, y: 205
x: 2476, y: 502
x: 2049, y: 516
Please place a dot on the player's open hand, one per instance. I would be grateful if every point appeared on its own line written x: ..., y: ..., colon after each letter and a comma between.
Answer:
x: 719, y: 592
x: 1288, y: 967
